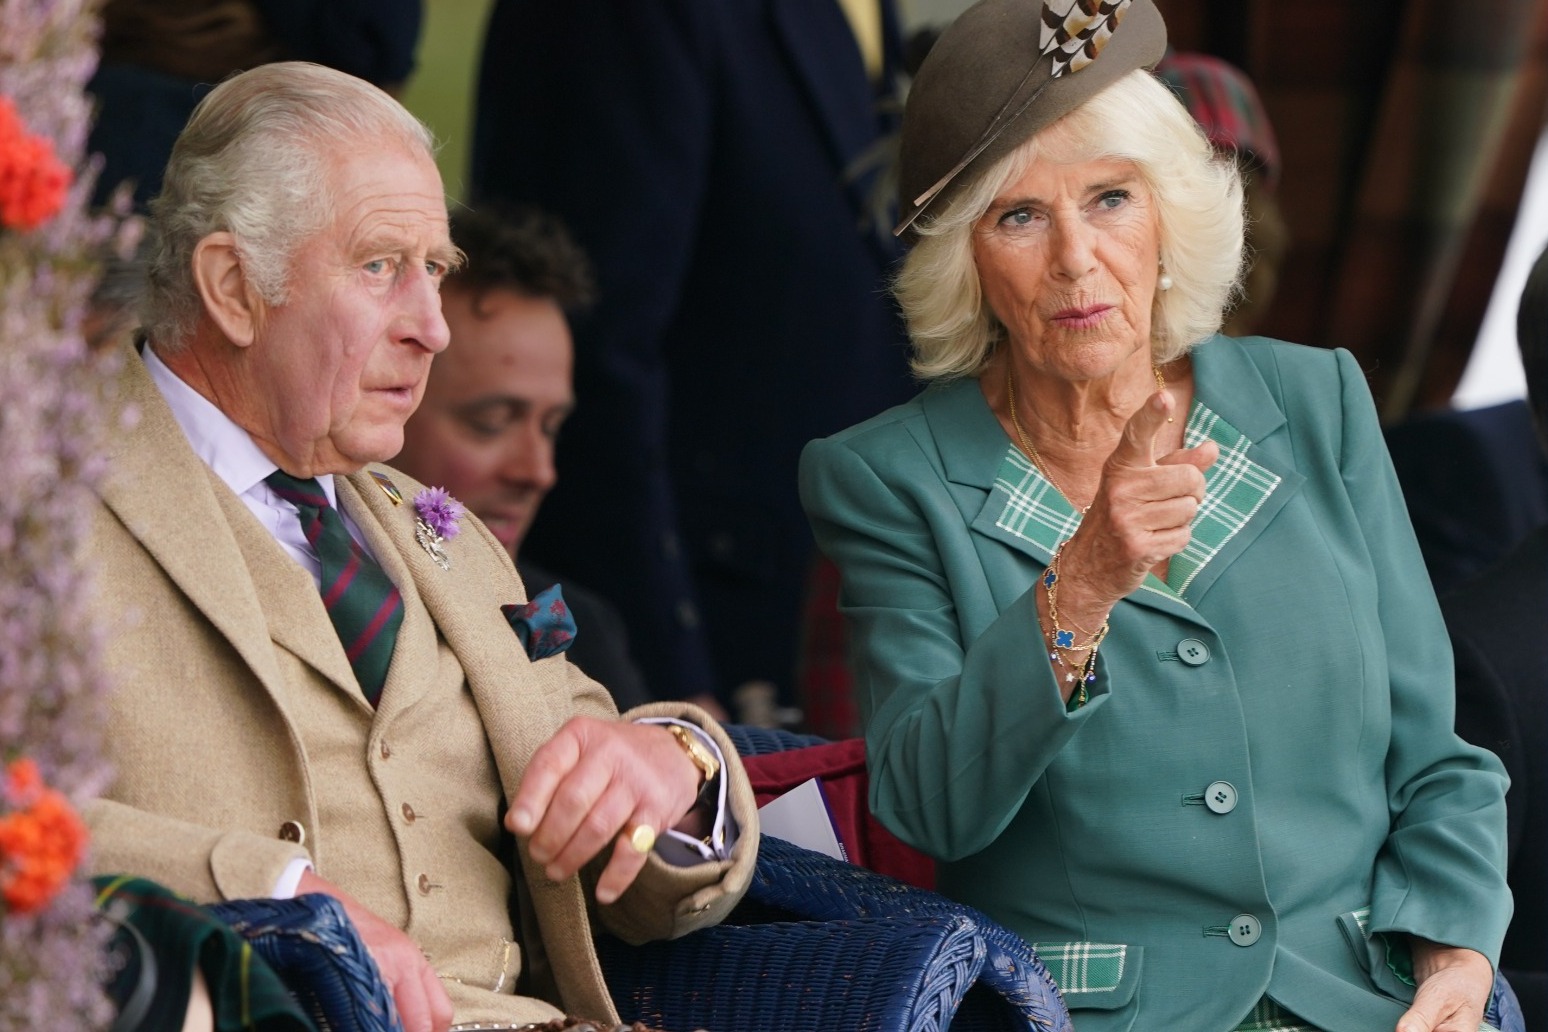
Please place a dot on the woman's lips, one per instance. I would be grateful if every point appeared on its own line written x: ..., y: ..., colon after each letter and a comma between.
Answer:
x: 1080, y: 318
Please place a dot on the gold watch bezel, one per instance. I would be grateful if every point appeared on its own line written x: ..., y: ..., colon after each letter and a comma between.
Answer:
x: 698, y: 755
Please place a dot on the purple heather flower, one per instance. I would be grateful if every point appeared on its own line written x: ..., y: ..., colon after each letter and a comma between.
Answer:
x: 440, y: 511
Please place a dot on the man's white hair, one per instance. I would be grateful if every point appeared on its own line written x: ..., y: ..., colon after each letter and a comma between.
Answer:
x: 254, y: 161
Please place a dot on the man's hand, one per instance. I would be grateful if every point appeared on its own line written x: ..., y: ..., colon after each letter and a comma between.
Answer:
x: 422, y: 1003
x: 592, y: 781
x: 1454, y: 986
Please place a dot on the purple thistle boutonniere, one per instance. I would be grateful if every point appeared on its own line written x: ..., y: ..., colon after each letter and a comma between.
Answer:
x: 437, y: 523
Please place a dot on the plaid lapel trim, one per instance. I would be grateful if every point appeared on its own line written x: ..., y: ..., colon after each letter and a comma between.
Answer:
x: 1033, y: 510
x: 1084, y: 967
x: 1235, y: 488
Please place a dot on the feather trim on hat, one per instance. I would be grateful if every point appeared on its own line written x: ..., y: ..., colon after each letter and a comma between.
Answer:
x: 1075, y: 31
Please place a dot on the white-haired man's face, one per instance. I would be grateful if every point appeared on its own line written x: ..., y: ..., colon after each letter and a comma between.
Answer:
x: 335, y: 371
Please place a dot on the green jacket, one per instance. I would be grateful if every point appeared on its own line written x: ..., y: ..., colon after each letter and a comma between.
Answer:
x: 1265, y: 778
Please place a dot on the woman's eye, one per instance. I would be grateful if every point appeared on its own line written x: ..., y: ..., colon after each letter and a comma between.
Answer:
x: 1018, y: 217
x: 1112, y: 199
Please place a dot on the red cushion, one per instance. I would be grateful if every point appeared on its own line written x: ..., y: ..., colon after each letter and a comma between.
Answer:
x: 841, y: 766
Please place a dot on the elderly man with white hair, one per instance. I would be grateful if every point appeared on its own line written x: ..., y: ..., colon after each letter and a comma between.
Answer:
x: 330, y: 677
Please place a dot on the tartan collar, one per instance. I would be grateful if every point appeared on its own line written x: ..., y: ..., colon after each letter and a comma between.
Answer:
x: 1235, y: 489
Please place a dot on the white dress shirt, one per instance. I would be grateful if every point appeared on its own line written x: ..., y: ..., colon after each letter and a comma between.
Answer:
x: 228, y: 450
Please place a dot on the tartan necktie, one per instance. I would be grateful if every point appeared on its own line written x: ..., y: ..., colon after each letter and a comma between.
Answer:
x: 364, y: 604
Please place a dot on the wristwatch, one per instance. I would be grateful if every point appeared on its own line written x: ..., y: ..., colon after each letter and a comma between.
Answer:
x: 700, y: 757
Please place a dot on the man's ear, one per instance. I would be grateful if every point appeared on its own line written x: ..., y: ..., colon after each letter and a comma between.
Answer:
x: 229, y: 299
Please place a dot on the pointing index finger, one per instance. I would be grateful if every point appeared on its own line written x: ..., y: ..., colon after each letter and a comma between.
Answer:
x: 1136, y: 448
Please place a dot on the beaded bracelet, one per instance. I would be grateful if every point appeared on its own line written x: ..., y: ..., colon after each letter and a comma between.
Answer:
x: 1061, y: 640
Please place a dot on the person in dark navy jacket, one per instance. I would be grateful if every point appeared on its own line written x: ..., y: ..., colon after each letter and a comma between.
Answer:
x: 1499, y: 631
x: 718, y: 160
x: 496, y: 401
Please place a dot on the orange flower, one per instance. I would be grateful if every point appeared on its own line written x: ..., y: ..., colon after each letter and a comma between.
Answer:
x: 24, y: 782
x: 33, y: 181
x: 40, y: 844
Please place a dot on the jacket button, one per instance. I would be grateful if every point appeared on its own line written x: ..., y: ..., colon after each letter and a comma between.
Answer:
x: 425, y: 885
x: 291, y: 831
x: 1193, y: 652
x: 1220, y: 797
x: 408, y: 813
x: 386, y: 750
x: 1245, y: 930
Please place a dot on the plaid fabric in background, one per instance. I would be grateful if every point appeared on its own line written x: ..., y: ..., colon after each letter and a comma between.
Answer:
x: 1224, y: 102
x: 1406, y: 130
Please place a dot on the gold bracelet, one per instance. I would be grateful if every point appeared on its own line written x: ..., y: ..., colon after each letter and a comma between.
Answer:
x: 1061, y: 640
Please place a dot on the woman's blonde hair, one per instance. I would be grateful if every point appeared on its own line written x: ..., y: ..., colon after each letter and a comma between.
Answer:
x: 1198, y: 203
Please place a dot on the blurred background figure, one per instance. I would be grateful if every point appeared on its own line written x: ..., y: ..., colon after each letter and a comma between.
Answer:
x: 160, y: 56
x: 497, y: 397
x: 720, y: 164
x: 1499, y: 631
x: 1223, y: 100
x: 1476, y: 484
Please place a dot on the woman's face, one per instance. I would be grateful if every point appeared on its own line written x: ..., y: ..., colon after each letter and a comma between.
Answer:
x: 1068, y: 257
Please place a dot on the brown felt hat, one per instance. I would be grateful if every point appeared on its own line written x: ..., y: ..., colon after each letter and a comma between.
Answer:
x: 988, y: 85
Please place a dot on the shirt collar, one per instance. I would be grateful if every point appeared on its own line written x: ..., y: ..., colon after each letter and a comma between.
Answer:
x: 226, y: 448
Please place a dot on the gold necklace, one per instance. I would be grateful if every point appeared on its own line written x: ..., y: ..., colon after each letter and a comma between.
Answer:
x: 1026, y: 442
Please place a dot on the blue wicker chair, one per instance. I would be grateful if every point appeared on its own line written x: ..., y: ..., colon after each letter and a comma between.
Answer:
x: 820, y: 944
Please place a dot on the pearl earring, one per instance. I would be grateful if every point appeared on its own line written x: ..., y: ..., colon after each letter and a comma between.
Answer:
x: 1164, y: 282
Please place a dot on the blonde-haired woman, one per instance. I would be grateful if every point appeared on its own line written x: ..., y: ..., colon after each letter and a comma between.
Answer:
x: 1146, y: 651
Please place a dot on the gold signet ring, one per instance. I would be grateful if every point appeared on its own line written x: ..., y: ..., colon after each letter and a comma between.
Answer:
x: 642, y: 838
